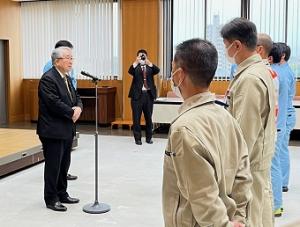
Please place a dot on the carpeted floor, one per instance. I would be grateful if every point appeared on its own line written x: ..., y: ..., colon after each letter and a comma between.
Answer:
x: 130, y: 182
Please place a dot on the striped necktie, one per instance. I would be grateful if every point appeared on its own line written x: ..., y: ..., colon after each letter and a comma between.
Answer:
x: 68, y: 87
x: 145, y: 77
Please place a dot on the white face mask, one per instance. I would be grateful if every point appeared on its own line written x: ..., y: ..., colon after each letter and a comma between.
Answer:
x: 175, y: 88
x: 230, y: 59
x: 142, y: 62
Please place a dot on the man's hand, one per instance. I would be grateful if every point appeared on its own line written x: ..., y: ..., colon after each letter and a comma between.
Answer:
x: 149, y: 63
x: 137, y: 61
x: 237, y: 224
x: 76, y: 114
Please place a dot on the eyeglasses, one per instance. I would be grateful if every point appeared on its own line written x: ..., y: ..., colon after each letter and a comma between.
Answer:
x: 68, y: 58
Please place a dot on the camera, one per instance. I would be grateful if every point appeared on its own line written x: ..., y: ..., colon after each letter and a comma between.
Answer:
x: 143, y: 57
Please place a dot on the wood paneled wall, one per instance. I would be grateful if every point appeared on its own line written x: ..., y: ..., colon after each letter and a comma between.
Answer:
x: 140, y: 30
x: 30, y: 99
x: 219, y: 87
x: 298, y: 88
x: 10, y: 29
x: 112, y: 83
x: 31, y: 95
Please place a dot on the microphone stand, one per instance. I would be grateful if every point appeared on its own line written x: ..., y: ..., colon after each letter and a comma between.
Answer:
x: 96, y: 207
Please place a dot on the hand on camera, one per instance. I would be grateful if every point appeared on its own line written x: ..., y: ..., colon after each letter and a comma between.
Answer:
x: 137, y: 60
x: 148, y: 62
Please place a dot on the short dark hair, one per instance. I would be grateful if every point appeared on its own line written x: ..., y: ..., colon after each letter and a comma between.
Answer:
x: 141, y: 51
x: 265, y: 41
x: 286, y: 50
x: 287, y: 53
x: 276, y: 52
x: 63, y: 43
x: 241, y: 29
x: 199, y: 59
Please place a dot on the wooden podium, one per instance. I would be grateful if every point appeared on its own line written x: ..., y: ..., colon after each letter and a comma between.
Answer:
x: 106, y: 104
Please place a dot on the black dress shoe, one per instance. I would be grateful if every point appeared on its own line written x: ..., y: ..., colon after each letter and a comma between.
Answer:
x: 149, y: 141
x: 71, y: 177
x: 69, y: 200
x: 285, y: 189
x: 138, y: 142
x: 57, y: 206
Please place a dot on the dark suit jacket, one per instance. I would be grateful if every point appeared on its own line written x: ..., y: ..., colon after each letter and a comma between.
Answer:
x: 55, y: 106
x: 138, y: 80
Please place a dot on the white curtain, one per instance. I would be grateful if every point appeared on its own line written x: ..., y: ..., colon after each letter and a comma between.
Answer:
x: 188, y: 20
x: 293, y: 35
x: 269, y: 17
x: 88, y: 24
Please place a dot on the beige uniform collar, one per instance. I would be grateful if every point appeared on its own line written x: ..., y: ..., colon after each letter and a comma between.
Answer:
x: 194, y: 101
x: 247, y: 62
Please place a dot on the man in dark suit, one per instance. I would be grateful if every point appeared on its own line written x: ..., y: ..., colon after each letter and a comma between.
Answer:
x: 142, y: 93
x: 59, y: 109
x: 72, y: 74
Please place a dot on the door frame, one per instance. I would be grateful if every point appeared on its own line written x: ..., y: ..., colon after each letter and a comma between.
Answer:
x: 6, y: 76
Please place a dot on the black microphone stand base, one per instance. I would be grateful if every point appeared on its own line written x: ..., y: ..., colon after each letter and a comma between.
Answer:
x: 96, y: 208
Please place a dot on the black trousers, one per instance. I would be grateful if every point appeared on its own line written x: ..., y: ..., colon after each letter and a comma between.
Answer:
x: 143, y: 104
x: 57, y: 153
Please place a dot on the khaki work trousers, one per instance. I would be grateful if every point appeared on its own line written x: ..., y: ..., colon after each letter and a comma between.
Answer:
x: 261, y: 206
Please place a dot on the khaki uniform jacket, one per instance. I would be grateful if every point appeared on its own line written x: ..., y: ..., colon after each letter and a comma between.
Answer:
x: 251, y: 99
x: 206, y: 177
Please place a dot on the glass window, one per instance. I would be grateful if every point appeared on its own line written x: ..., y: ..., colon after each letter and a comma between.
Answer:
x: 188, y: 20
x: 219, y: 12
x: 269, y: 17
x: 293, y: 35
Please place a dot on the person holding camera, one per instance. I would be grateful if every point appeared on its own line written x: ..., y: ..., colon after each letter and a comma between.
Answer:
x: 142, y: 93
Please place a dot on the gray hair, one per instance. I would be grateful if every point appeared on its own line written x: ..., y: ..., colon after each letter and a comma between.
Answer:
x: 265, y: 40
x: 58, y: 53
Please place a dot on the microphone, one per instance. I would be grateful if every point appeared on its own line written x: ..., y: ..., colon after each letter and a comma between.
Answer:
x: 89, y: 75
